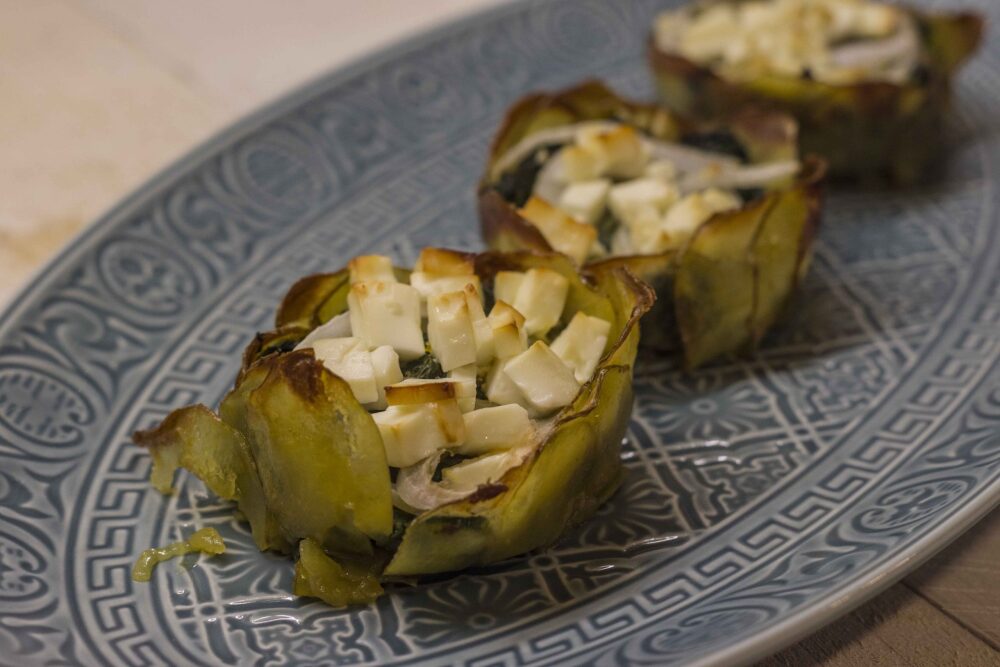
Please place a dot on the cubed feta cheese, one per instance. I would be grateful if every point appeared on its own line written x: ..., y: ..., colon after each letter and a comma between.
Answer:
x: 348, y: 359
x: 500, y: 388
x: 506, y: 285
x: 579, y: 164
x: 507, y: 324
x: 474, y: 299
x: 482, y: 331
x: 385, y: 363
x: 470, y: 475
x: 876, y: 20
x: 620, y: 148
x: 585, y: 200
x: 412, y: 391
x: 581, y: 344
x: 387, y: 314
x: 651, y: 240
x: 440, y: 261
x: 563, y: 232
x: 465, y: 377
x: 662, y: 170
x: 628, y: 199
x: 540, y: 298
x: 371, y: 268
x: 430, y: 284
x: 708, y: 35
x: 449, y: 330
x: 545, y: 382
x: 693, y: 210
x: 551, y: 179
x: 721, y: 200
x: 411, y: 433
x: 496, y: 428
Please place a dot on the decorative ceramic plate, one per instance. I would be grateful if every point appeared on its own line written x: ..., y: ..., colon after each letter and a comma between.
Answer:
x: 763, y: 498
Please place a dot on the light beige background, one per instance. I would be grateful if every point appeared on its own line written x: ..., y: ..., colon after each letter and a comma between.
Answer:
x: 98, y: 95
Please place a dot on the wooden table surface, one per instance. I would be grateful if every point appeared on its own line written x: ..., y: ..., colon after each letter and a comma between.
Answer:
x: 96, y: 95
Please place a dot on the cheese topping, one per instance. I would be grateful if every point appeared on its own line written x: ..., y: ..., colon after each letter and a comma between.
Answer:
x: 456, y: 379
x: 832, y: 41
x: 642, y: 195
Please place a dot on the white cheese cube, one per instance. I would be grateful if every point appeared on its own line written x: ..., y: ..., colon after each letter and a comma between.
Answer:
x: 482, y: 332
x: 621, y: 242
x: 349, y: 360
x: 474, y: 300
x: 876, y: 20
x: 721, y: 200
x: 500, y: 389
x: 336, y: 348
x: 371, y: 268
x: 627, y: 199
x: 581, y: 344
x: 585, y: 200
x: 449, y: 330
x: 620, y: 149
x: 411, y: 433
x: 387, y: 314
x: 413, y: 391
x: 385, y: 363
x: 507, y: 325
x: 440, y: 261
x: 465, y: 377
x: 551, y: 179
x: 650, y: 240
x: 576, y: 163
x: 540, y: 298
x: 496, y: 428
x: 546, y: 383
x: 708, y: 35
x: 431, y: 284
x: 470, y: 475
x: 692, y: 211
x: 506, y: 285
x: 661, y: 170
x: 563, y: 232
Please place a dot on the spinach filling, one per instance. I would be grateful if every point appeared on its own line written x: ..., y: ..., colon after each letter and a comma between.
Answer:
x: 426, y: 367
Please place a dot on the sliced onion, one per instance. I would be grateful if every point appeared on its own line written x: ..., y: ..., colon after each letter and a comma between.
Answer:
x: 416, y: 486
x: 417, y: 489
x: 741, y: 176
x: 338, y: 327
x: 551, y: 180
x: 901, y: 48
x: 688, y: 158
x: 563, y: 134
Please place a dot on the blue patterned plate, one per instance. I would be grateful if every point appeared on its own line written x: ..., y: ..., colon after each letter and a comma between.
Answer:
x: 763, y: 498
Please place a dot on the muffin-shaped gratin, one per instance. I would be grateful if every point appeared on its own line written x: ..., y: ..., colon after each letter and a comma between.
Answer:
x: 868, y: 82
x: 718, y: 217
x: 398, y: 423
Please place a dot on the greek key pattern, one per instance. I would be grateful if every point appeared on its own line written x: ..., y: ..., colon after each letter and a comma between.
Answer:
x: 754, y: 489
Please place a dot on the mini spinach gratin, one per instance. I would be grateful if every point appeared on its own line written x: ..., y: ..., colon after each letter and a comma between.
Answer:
x: 867, y: 81
x: 400, y: 423
x: 719, y: 217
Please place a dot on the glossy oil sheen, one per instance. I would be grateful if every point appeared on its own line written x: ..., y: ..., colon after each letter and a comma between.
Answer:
x: 762, y: 497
